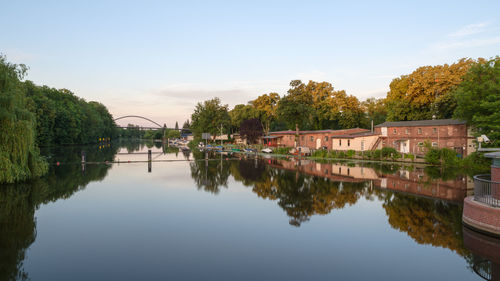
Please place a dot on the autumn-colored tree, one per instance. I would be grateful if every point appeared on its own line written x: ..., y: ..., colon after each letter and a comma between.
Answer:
x: 266, y: 105
x: 426, y: 92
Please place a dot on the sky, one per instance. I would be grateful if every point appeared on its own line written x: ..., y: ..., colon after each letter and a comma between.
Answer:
x: 158, y: 59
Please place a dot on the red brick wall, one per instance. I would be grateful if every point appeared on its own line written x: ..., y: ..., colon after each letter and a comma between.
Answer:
x: 449, y: 136
x: 495, y: 174
x: 481, y: 216
x: 305, y: 137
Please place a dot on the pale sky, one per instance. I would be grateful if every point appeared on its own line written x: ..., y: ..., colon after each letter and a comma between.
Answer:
x: 159, y: 58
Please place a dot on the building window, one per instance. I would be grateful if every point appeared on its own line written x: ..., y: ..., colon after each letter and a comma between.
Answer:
x: 312, y: 138
x: 348, y: 142
x: 434, y: 130
x: 407, y: 131
x: 394, y: 131
x: 419, y: 131
x: 434, y: 144
x: 302, y: 138
x: 340, y: 142
x: 326, y: 138
x: 420, y: 144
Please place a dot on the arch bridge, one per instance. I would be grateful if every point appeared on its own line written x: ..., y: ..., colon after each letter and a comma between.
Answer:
x: 144, y: 118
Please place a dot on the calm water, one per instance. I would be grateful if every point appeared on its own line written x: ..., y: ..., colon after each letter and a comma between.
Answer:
x: 234, y: 219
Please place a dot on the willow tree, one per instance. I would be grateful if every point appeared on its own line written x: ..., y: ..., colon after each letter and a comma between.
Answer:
x: 19, y: 155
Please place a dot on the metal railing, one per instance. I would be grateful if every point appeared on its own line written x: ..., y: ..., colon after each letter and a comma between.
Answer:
x: 487, y: 191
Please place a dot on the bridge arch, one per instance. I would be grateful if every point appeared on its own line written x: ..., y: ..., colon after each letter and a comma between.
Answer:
x: 140, y: 117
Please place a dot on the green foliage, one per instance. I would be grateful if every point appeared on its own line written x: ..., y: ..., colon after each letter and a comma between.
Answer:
x: 282, y: 150
x: 209, y: 116
x: 478, y: 99
x: 19, y: 156
x: 409, y: 156
x: 350, y: 153
x: 476, y: 163
x: 444, y: 156
x: 63, y: 118
x: 173, y: 134
x: 390, y: 152
x: 241, y: 113
x: 131, y: 132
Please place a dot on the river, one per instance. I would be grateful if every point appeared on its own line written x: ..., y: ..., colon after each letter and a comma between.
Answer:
x: 233, y: 218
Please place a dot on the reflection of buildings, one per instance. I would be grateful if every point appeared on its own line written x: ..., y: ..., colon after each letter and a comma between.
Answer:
x: 486, y: 251
x: 414, y: 182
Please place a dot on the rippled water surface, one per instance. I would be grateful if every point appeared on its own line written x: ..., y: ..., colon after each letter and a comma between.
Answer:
x: 233, y: 217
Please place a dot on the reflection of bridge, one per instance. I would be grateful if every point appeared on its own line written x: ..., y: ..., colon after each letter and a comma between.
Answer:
x: 142, y: 127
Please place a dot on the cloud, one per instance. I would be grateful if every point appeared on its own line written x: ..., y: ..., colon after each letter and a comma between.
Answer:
x: 477, y: 42
x: 470, y: 29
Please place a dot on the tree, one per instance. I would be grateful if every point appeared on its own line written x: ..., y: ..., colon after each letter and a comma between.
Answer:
x: 266, y: 105
x: 478, y: 99
x: 174, y: 134
x: 209, y: 116
x: 296, y: 107
x: 251, y: 129
x: 426, y: 92
x: 19, y: 156
x: 375, y: 110
x: 186, y: 125
x: 318, y: 106
x: 176, y: 126
x: 240, y: 113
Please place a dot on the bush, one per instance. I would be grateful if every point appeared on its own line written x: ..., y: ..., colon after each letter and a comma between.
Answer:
x: 282, y: 150
x: 476, y: 163
x: 409, y: 156
x: 443, y: 156
x: 390, y: 152
x: 350, y: 153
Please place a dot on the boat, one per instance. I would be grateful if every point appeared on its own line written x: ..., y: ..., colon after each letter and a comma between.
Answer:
x: 267, y: 150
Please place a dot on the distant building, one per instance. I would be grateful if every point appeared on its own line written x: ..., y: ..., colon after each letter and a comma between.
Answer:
x: 404, y: 136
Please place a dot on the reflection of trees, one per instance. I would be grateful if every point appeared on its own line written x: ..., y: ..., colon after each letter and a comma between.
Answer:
x: 210, y: 175
x: 18, y: 202
x: 427, y: 221
x: 304, y: 196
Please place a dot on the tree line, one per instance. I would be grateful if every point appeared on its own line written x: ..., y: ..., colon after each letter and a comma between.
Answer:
x: 467, y: 89
x: 33, y: 116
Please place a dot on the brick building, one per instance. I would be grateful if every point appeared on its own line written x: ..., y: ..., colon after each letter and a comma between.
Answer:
x: 404, y: 136
x: 313, y: 139
x: 410, y: 136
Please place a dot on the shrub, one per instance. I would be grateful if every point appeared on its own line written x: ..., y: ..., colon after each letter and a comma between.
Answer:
x: 350, y: 153
x: 409, y: 156
x: 444, y: 156
x: 389, y: 152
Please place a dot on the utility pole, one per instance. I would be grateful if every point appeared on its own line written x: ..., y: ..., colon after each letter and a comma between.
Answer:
x: 220, y: 134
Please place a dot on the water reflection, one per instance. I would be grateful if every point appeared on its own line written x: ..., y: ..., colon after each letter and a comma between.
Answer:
x: 416, y: 201
x: 18, y: 202
x: 485, y: 250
